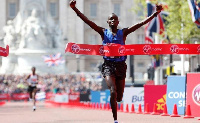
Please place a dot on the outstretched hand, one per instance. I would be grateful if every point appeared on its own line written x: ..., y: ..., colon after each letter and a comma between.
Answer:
x: 72, y: 3
x: 159, y: 8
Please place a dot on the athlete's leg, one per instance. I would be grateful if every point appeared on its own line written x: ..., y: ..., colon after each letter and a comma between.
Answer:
x: 30, y: 90
x: 120, y: 79
x: 113, y: 95
x: 34, y: 94
x: 120, y: 84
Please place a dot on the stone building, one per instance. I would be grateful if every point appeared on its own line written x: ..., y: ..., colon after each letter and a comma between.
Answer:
x: 75, y: 30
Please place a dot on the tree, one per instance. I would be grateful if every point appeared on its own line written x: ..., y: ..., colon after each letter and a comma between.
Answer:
x: 179, y: 24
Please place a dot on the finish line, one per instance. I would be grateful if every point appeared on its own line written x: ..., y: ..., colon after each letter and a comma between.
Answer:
x: 4, y: 51
x: 133, y: 49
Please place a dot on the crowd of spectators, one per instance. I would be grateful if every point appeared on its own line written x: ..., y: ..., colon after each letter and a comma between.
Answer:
x: 68, y: 83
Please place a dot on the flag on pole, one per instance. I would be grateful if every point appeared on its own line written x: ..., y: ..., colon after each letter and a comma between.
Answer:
x: 156, y: 25
x: 194, y: 6
x: 53, y: 60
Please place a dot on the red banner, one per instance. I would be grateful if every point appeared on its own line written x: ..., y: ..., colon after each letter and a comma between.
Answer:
x: 50, y: 95
x: 155, y: 94
x: 135, y: 49
x: 4, y: 96
x: 74, y: 98
x: 4, y: 52
x: 21, y: 96
x: 193, y: 93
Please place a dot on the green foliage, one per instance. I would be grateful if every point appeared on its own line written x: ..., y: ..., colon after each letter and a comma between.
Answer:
x: 179, y: 24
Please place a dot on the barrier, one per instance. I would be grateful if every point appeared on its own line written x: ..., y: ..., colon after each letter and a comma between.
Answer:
x: 40, y: 96
x: 176, y: 87
x: 2, y: 103
x: 100, y: 96
x: 193, y: 93
x: 61, y: 98
x: 155, y: 94
x: 20, y: 96
x: 133, y: 96
x: 84, y: 97
x: 25, y: 96
x: 74, y: 97
x: 5, y: 97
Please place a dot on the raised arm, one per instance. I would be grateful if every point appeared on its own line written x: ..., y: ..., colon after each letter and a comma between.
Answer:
x: 138, y: 25
x: 85, y: 19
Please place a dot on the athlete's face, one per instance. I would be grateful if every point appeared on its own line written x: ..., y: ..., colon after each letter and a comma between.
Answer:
x: 113, y: 20
x: 33, y: 69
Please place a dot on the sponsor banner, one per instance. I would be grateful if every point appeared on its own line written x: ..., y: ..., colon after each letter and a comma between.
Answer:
x: 61, y: 98
x: 100, y: 96
x: 193, y: 93
x: 134, y: 49
x: 133, y: 95
x: 74, y: 97
x: 50, y: 96
x: 85, y: 97
x: 4, y: 96
x: 2, y: 103
x: 4, y: 51
x: 40, y: 96
x: 21, y: 96
x: 176, y: 86
x: 155, y: 94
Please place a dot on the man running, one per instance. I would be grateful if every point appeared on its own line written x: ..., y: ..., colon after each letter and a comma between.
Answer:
x: 114, y: 67
x: 32, y: 80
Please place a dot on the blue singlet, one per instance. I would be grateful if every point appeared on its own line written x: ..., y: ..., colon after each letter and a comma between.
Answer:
x: 117, y: 39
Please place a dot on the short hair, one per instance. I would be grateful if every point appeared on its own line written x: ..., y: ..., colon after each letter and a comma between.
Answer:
x: 113, y: 14
x: 33, y: 68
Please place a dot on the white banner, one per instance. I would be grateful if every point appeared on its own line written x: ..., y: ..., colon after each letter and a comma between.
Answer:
x: 64, y: 98
x: 40, y: 96
x: 134, y: 95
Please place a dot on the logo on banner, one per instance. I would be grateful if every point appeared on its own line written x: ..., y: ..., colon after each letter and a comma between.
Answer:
x: 147, y: 49
x: 138, y: 98
x: 75, y: 48
x: 101, y: 50
x: 161, y: 102
x: 174, y: 49
x: 3, y: 51
x: 178, y: 95
x: 121, y: 50
x: 196, y: 94
x: 198, y: 49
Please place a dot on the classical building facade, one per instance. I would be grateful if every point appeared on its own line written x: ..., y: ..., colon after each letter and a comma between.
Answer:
x: 75, y: 30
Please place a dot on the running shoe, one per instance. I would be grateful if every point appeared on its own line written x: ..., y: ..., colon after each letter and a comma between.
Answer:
x: 34, y: 108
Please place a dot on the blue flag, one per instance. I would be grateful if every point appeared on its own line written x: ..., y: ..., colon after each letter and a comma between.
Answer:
x: 156, y: 25
x: 195, y: 11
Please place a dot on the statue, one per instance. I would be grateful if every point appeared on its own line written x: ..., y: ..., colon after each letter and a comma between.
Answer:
x: 57, y: 37
x: 33, y: 32
x: 10, y: 35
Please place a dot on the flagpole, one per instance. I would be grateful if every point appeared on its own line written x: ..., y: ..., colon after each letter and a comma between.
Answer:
x: 182, y: 56
x: 157, y: 69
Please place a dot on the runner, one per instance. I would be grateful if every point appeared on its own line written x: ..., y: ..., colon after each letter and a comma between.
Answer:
x: 114, y: 67
x: 32, y: 80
